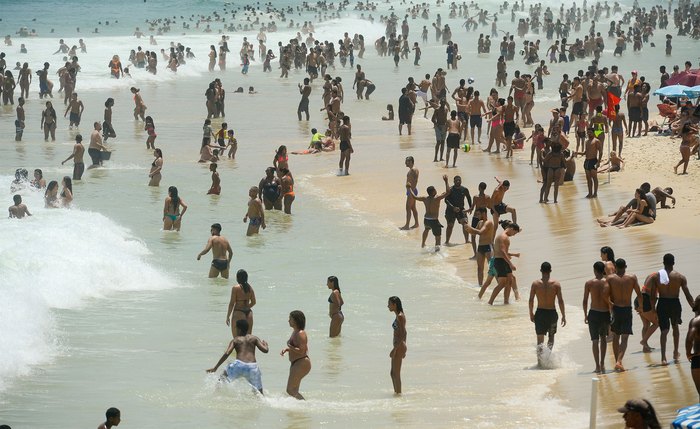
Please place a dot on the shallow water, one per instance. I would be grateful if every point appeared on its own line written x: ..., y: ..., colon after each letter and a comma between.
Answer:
x: 107, y: 310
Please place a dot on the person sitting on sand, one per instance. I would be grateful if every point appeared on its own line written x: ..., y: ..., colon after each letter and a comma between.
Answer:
x: 613, y: 164
x: 390, y: 113
x: 643, y: 213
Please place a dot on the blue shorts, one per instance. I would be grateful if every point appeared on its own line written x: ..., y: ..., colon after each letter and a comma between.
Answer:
x: 249, y: 371
x: 440, y: 132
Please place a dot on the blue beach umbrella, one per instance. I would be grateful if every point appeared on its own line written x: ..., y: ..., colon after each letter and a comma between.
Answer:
x: 688, y: 418
x: 672, y: 91
x: 693, y: 92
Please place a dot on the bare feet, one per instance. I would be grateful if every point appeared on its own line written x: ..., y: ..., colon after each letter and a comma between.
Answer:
x: 619, y: 367
x: 404, y: 228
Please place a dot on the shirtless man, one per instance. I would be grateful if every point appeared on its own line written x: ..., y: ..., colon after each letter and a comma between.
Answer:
x: 615, y: 82
x: 305, y: 91
x: 480, y: 200
x: 498, y: 207
x: 96, y: 147
x: 634, y: 111
x: 439, y: 120
x: 576, y: 97
x: 358, y: 84
x: 502, y: 263
x: 475, y: 108
x: 432, y: 211
x: 423, y: 88
x: 77, y: 157
x: 75, y: 107
x: 215, y: 188
x: 255, y: 214
x: 598, y: 317
x: 669, y: 283
x: 484, y: 230
x: 692, y: 344
x: 621, y: 287
x: 45, y: 86
x: 595, y: 92
x: 438, y: 87
x: 454, y: 132
x: 593, y: 151
x: 411, y: 188
x: 19, y: 130
x: 221, y: 253
x: 270, y: 190
x: 510, y: 117
x: 18, y: 210
x: 517, y: 90
x: 245, y: 365
x: 545, y: 318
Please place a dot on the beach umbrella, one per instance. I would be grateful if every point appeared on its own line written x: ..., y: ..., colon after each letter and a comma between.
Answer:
x: 690, y: 78
x: 693, y: 92
x: 672, y: 91
x: 688, y: 418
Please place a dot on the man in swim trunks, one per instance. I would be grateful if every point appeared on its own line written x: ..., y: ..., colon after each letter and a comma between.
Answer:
x: 270, y: 190
x: 411, y: 188
x: 245, y: 365
x: 545, y: 318
x: 454, y: 132
x: 502, y: 262
x: 454, y: 208
x: 75, y: 107
x: 598, y: 317
x: 18, y: 210
x: 432, y: 212
x: 669, y: 283
x: 593, y: 150
x: 499, y: 208
x: 577, y: 98
x: 475, y: 108
x: 484, y: 230
x: 621, y: 287
x: 439, y: 120
x: 221, y: 253
x: 255, y: 216
x: 480, y: 200
x: 692, y: 344
x: 77, y: 157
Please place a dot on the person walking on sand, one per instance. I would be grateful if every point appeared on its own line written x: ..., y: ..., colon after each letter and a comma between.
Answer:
x: 398, y: 352
x: 221, y: 253
x: 621, y: 287
x: 593, y: 150
x: 411, y: 188
x: 335, y: 307
x: 455, y: 210
x: 598, y: 317
x: 346, y: 149
x: 432, y: 211
x: 298, y: 349
x: 255, y: 216
x: 240, y: 306
x: 669, y: 282
x: 545, y: 318
x: 692, y: 344
x: 245, y: 364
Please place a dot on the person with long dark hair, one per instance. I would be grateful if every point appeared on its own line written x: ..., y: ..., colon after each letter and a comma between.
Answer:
x: 48, y: 122
x: 66, y: 192
x: 398, y: 352
x: 335, y: 304
x: 240, y: 306
x: 51, y: 195
x: 298, y: 348
x: 639, y: 414
x: 172, y: 216
x: 156, y: 168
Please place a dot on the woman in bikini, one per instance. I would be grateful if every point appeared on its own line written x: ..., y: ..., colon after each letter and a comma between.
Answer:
x: 288, y: 196
x: 335, y: 304
x: 641, y: 214
x: 66, y: 192
x: 298, y: 349
x: 496, y: 120
x: 281, y: 160
x: 553, y: 166
x: 241, y: 303
x: 150, y: 128
x: 156, y: 168
x: 398, y: 353
x: 689, y: 144
x: 51, y: 195
x: 172, y: 216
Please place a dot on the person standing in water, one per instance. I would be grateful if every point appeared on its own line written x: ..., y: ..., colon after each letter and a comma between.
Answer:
x: 140, y: 106
x: 107, y: 130
x: 240, y: 306
x: 221, y: 253
x: 112, y: 418
x: 19, y: 210
x: 346, y: 149
x: 298, y: 349
x: 335, y: 304
x: 156, y: 168
x: 270, y: 190
x: 77, y: 157
x: 287, y: 186
x: 398, y: 352
x: 255, y: 216
x: 598, y: 317
x: 245, y: 365
x: 432, y: 212
x: 502, y: 263
x: 411, y: 188
x: 215, y: 188
x: 545, y: 318
x: 172, y: 216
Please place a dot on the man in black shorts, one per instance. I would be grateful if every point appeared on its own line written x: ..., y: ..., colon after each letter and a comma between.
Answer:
x: 669, y: 283
x: 692, y: 344
x: 406, y: 108
x: 432, y: 211
x: 621, y: 287
x: 545, y: 318
x: 598, y: 317
x: 454, y: 208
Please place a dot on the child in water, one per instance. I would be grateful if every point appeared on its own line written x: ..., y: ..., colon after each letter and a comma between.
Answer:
x: 215, y: 180
x: 232, y: 145
x: 390, y: 113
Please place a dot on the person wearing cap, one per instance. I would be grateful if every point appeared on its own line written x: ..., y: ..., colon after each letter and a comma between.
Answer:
x: 621, y: 287
x: 668, y: 283
x: 639, y: 414
x: 545, y: 318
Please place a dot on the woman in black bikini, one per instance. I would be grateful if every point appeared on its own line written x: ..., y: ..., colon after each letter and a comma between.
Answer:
x: 398, y: 353
x: 553, y: 166
x: 298, y: 349
x: 156, y: 168
x: 241, y: 303
x: 335, y: 303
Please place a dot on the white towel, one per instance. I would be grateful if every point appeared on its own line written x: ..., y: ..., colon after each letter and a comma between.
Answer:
x: 663, y: 277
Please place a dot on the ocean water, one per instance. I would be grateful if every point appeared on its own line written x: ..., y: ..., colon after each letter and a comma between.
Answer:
x: 101, y: 308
